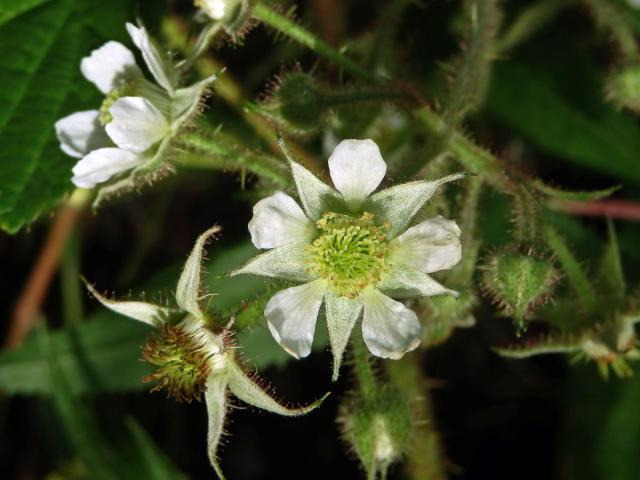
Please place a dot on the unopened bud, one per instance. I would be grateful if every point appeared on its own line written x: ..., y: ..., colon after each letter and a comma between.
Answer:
x: 297, y: 103
x: 378, y: 430
x: 623, y: 88
x: 519, y: 283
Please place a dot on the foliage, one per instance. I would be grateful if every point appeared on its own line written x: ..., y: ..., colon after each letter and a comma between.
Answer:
x: 528, y: 110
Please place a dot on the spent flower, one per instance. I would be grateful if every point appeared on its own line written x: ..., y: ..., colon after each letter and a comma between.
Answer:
x: 137, y: 119
x: 191, y: 358
x: 354, y: 250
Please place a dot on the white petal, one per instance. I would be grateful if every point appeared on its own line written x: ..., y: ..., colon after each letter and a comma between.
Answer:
x: 158, y: 63
x: 356, y: 168
x: 108, y: 65
x: 80, y: 133
x: 277, y: 221
x: 102, y: 164
x: 137, y: 124
x: 430, y: 246
x: 291, y: 316
x: 388, y: 327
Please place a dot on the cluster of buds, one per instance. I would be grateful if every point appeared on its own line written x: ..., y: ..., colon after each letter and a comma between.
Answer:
x: 191, y: 358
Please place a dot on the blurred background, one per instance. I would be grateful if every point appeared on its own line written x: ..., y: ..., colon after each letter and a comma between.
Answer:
x: 544, y: 111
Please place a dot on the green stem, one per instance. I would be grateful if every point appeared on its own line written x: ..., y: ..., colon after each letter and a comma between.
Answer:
x: 363, y: 369
x: 471, y: 156
x: 283, y: 25
x: 425, y: 459
x: 215, y: 153
x: 572, y: 268
x: 610, y: 17
x: 72, y: 292
x: 531, y: 20
x: 335, y: 99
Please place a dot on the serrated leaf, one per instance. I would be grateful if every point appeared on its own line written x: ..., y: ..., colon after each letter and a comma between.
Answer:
x: 38, y: 61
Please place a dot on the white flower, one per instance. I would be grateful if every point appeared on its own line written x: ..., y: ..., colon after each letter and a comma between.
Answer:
x: 192, y: 338
x: 137, y: 117
x: 352, y: 250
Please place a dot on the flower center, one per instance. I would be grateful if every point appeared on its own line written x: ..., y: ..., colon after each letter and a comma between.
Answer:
x: 127, y: 89
x: 183, y: 362
x: 349, y: 253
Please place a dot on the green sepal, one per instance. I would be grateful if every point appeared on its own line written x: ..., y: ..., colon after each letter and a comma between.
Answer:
x: 188, y: 289
x: 402, y: 281
x: 216, y: 401
x: 248, y: 390
x: 149, y: 313
x: 342, y: 314
x: 574, y: 196
x: 287, y: 263
x: 401, y: 203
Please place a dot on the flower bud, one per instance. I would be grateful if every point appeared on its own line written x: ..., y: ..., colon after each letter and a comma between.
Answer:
x: 518, y: 283
x: 623, y: 88
x: 297, y: 103
x: 378, y: 430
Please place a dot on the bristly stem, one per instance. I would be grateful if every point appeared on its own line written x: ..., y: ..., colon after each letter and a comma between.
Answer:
x: 363, y: 369
x: 425, y: 458
x: 283, y: 25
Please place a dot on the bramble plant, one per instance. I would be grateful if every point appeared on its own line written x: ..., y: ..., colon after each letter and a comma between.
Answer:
x: 408, y: 232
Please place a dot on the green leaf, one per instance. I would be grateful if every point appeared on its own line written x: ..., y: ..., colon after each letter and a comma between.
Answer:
x: 101, y: 355
x: 38, y: 60
x: 155, y: 462
x: 9, y: 9
x: 525, y: 99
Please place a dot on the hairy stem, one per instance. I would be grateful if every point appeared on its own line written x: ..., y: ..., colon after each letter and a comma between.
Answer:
x: 531, y: 20
x: 231, y: 92
x: 571, y: 267
x: 363, y: 370
x: 26, y: 309
x: 209, y: 153
x: 425, y: 457
x: 291, y: 29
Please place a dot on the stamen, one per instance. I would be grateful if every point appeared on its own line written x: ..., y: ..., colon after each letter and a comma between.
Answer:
x: 349, y: 253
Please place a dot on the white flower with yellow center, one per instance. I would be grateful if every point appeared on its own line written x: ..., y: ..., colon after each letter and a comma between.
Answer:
x: 137, y: 117
x: 353, y: 251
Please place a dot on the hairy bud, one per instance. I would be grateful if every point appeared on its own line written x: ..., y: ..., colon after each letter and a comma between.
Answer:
x: 519, y: 283
x: 377, y: 429
x: 623, y: 88
x: 297, y: 103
